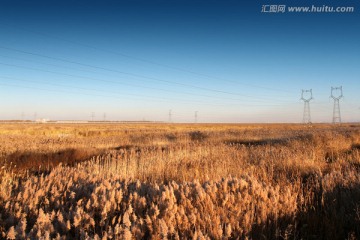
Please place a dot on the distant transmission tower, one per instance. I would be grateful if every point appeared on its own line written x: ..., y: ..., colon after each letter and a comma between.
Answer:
x: 306, y: 115
x: 104, y: 117
x: 170, y: 116
x: 92, y: 116
x: 336, y: 97
x: 196, y: 116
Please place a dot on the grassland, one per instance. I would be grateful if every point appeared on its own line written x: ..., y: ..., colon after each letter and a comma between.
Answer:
x: 179, y: 181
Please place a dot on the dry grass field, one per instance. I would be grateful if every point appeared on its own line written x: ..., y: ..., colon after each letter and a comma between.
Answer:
x: 179, y: 181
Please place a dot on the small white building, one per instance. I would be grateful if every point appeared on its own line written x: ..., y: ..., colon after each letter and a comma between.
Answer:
x: 42, y: 120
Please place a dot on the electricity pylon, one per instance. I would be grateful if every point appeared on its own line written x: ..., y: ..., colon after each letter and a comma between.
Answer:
x: 336, y: 110
x: 170, y: 115
x: 196, y: 116
x: 306, y: 115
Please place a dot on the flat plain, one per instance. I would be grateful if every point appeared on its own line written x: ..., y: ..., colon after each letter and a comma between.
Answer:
x: 179, y: 181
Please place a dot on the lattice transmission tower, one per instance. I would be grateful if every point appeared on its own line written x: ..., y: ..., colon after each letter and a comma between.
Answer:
x: 170, y: 116
x: 336, y: 94
x: 306, y: 96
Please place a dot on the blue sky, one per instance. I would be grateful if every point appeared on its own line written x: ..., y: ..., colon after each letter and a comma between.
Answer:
x: 136, y: 60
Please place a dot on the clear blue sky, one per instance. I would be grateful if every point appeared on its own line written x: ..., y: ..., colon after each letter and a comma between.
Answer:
x: 136, y: 60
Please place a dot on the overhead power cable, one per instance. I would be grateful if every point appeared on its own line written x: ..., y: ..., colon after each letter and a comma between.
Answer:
x: 133, y: 74
x: 149, y: 61
x: 83, y: 70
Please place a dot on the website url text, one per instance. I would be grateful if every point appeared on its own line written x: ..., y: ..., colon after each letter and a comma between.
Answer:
x: 308, y: 9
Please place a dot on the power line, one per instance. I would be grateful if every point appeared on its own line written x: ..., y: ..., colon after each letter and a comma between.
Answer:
x: 80, y: 88
x: 116, y: 82
x: 163, y: 100
x: 133, y: 85
x: 133, y: 74
x: 76, y: 93
x: 47, y: 64
x: 101, y: 80
x: 148, y: 61
x: 121, y: 72
x: 97, y: 90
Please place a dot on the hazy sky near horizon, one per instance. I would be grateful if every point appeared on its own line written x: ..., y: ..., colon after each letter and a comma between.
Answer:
x: 136, y: 60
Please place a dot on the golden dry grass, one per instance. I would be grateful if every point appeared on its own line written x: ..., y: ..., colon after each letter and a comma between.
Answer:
x: 200, y: 181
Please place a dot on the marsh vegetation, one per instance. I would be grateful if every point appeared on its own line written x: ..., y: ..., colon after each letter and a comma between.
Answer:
x: 179, y: 181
